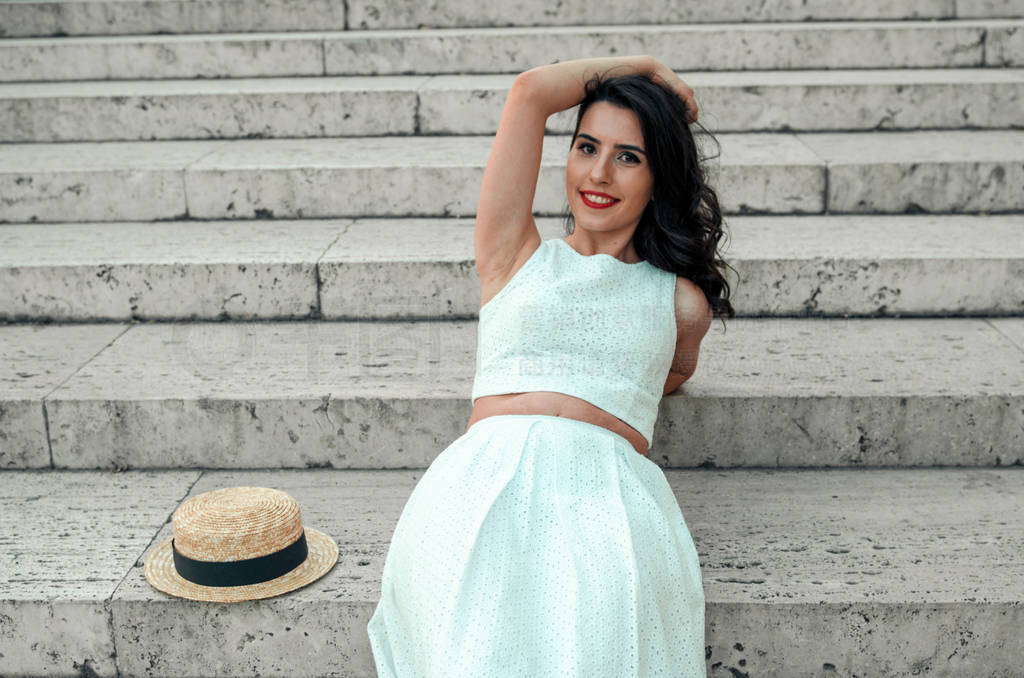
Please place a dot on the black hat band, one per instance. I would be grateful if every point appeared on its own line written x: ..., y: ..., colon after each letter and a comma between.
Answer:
x: 242, y: 572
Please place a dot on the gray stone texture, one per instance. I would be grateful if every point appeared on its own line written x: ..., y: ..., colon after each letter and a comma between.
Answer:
x: 440, y: 176
x: 1005, y: 45
x: 936, y: 171
x: 68, y: 540
x: 1011, y: 328
x: 136, y: 57
x: 727, y: 47
x: 955, y: 170
x: 114, y: 17
x: 767, y: 392
x: 899, y: 571
x: 317, y: 630
x: 255, y: 395
x: 35, y: 360
x: 403, y: 268
x: 876, y: 265
x: 373, y: 14
x: 980, y: 8
x: 216, y: 270
x: 208, y: 109
x: 712, y: 47
x: 370, y: 176
x: 746, y: 101
x: 852, y: 392
x: 425, y: 268
x: 96, y: 182
x: 871, y: 572
x: 817, y: 265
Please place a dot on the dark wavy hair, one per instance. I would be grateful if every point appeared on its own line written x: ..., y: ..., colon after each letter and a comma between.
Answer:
x: 680, y: 229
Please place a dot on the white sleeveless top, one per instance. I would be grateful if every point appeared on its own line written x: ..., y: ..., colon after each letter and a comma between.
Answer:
x: 592, y: 327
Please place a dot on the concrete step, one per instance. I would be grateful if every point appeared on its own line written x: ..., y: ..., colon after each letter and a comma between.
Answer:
x: 227, y: 109
x: 961, y: 171
x: 464, y: 13
x: 404, y: 269
x: 774, y: 101
x: 893, y: 572
x: 739, y: 101
x: 117, y: 17
x: 768, y: 392
x: 958, y: 43
x: 709, y: 47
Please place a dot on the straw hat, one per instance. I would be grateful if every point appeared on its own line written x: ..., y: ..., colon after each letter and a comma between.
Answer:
x: 239, y: 543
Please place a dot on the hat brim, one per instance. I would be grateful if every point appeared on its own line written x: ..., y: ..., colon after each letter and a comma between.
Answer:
x: 161, y: 574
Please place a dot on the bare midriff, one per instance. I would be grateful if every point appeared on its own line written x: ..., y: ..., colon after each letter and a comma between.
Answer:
x: 556, y: 405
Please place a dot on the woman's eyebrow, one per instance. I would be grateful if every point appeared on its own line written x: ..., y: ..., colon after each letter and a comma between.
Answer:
x: 626, y: 146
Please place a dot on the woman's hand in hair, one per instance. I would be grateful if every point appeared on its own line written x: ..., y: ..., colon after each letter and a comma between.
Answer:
x: 666, y: 76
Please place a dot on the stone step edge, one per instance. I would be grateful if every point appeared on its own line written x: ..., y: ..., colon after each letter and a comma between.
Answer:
x: 442, y: 82
x: 322, y: 53
x: 389, y: 105
x: 767, y: 392
x: 853, y: 554
x: 810, y: 173
x: 331, y: 269
x: 25, y: 19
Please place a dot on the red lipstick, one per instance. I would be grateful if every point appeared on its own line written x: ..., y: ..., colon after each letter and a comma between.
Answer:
x: 597, y: 205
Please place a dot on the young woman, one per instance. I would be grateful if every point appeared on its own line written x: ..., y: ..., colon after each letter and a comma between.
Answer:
x: 543, y: 541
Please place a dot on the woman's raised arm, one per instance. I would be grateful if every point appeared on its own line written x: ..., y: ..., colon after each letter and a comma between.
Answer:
x: 504, y: 218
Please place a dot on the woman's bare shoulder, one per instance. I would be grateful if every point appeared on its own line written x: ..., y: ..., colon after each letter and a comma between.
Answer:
x: 693, y: 312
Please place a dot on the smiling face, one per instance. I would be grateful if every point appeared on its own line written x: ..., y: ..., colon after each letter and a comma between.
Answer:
x: 608, y: 178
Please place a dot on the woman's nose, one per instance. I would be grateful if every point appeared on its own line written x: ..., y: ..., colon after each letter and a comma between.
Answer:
x: 599, y: 171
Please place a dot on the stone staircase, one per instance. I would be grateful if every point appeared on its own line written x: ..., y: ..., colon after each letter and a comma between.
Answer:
x: 236, y: 249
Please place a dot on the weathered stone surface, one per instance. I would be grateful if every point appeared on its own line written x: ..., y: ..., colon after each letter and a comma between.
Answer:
x: 767, y: 392
x: 68, y: 541
x: 876, y: 572
x: 925, y: 171
x: 818, y: 265
x: 848, y: 392
x: 373, y: 14
x: 118, y: 17
x: 213, y: 270
x: 710, y: 47
x: 96, y: 182
x: 1004, y: 45
x: 774, y: 101
x: 1011, y: 328
x: 343, y: 177
x: 981, y: 8
x: 162, y: 56
x: 869, y: 569
x: 317, y: 630
x: 440, y: 176
x: 877, y: 265
x: 425, y: 268
x: 402, y: 268
x: 34, y: 360
x: 758, y: 173
x: 254, y: 395
x: 208, y: 109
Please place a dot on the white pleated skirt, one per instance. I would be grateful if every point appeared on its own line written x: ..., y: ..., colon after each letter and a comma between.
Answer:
x: 537, y: 546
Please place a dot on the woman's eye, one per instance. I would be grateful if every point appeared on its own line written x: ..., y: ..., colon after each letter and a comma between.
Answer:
x: 586, y: 148
x: 629, y: 157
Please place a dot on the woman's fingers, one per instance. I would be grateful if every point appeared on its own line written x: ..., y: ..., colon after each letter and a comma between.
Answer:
x: 685, y: 92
